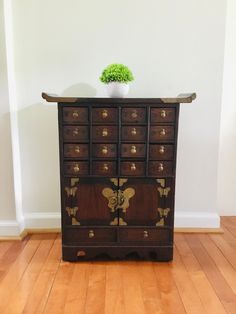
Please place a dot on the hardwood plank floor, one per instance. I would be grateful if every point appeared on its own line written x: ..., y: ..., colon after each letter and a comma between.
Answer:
x: 201, y: 278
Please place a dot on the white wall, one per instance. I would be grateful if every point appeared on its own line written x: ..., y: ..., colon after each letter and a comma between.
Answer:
x: 227, y: 160
x: 8, y: 222
x: 171, y: 47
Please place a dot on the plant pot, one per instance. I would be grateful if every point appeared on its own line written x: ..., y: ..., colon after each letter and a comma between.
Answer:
x: 117, y: 90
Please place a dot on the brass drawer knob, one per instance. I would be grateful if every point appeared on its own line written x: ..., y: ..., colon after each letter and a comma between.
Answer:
x: 105, y: 167
x: 133, y: 167
x: 163, y: 132
x: 160, y: 167
x: 104, y: 150
x: 75, y: 132
x: 145, y: 234
x: 104, y: 114
x: 134, y: 114
x: 133, y: 131
x: 104, y: 132
x: 75, y: 114
x: 91, y: 234
x: 162, y: 149
x: 76, y: 168
x: 77, y: 149
x: 133, y: 149
x: 163, y: 113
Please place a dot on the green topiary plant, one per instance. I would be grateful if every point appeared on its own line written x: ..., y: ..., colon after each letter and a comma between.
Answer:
x: 116, y: 73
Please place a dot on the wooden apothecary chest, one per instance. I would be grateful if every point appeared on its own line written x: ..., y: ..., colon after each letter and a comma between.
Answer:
x: 117, y: 166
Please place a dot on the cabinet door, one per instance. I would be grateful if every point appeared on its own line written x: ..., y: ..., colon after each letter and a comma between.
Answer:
x: 90, y: 202
x: 145, y: 202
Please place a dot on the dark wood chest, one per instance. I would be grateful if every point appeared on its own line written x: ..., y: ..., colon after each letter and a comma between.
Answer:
x: 117, y: 169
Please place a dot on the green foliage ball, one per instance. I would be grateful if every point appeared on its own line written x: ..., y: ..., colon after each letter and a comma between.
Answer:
x: 116, y: 73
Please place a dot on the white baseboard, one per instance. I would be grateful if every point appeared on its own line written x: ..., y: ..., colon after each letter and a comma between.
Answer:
x: 52, y: 220
x: 196, y: 220
x: 228, y: 213
x: 10, y: 228
x: 43, y: 220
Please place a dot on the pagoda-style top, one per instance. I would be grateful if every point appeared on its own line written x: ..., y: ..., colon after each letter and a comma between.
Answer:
x: 181, y: 98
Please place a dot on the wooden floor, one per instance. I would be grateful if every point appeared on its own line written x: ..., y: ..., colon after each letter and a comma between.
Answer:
x: 201, y: 279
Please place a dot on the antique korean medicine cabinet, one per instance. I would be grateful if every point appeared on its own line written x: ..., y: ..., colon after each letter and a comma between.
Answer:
x: 117, y: 167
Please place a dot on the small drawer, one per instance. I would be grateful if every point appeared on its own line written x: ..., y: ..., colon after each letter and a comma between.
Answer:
x: 104, y: 168
x: 104, y: 150
x: 76, y: 168
x: 144, y: 234
x: 133, y: 150
x: 130, y: 133
x: 90, y: 235
x: 132, y: 168
x: 160, y: 168
x: 161, y: 133
x: 76, y: 150
x: 75, y: 115
x: 161, y: 152
x: 159, y: 115
x: 104, y: 133
x: 76, y: 133
x: 133, y: 115
x: 103, y: 115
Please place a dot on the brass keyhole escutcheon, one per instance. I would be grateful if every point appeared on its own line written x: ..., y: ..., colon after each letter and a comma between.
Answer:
x: 134, y: 131
x: 75, y: 114
x: 105, y: 167
x: 133, y: 167
x: 75, y: 131
x: 163, y: 132
x: 160, y: 167
x: 76, y: 168
x: 104, y: 114
x: 104, y: 132
x: 91, y: 234
x: 104, y: 150
x: 133, y: 149
x: 77, y: 149
x: 145, y: 234
x: 134, y: 114
x: 163, y: 113
x: 162, y: 149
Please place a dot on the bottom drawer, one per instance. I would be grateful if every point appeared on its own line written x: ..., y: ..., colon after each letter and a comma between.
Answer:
x: 90, y: 235
x: 161, y: 236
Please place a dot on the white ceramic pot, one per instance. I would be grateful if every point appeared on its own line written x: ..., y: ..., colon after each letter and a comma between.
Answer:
x: 117, y: 89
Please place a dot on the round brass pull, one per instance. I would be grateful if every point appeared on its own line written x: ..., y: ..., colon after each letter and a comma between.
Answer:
x: 104, y: 150
x: 104, y: 132
x: 163, y: 132
x: 162, y: 149
x: 104, y: 114
x: 163, y: 113
x: 75, y: 114
x: 133, y: 167
x: 76, y: 168
x: 91, y: 234
x: 133, y: 149
x: 77, y: 149
x: 75, y: 131
x: 145, y: 234
x: 160, y: 167
x: 134, y: 131
x: 134, y: 114
x: 105, y: 167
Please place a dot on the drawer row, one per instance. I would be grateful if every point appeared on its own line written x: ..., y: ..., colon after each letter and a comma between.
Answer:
x: 93, y: 235
x: 111, y: 115
x: 110, y: 133
x: 131, y: 150
x: 111, y: 168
